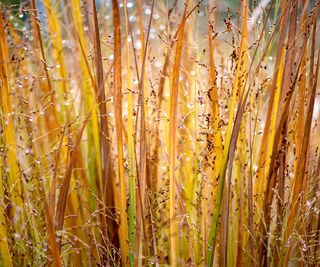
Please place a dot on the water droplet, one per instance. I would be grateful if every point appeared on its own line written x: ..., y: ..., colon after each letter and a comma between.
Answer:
x: 162, y: 27
x: 130, y: 5
x: 190, y: 105
x: 132, y: 18
x: 59, y: 233
x: 147, y: 11
x: 157, y: 64
x: 17, y: 236
x: 138, y: 45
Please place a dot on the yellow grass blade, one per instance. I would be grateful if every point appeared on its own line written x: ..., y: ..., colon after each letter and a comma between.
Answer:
x: 173, y: 139
x: 4, y: 247
x: 14, y: 183
x: 132, y: 171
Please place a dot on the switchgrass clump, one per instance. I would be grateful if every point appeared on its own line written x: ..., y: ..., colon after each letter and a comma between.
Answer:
x: 181, y: 133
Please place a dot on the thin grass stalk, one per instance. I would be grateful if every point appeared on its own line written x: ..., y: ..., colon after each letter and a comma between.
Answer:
x: 172, y: 142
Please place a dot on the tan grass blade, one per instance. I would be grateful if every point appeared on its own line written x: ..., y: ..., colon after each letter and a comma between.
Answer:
x: 117, y: 92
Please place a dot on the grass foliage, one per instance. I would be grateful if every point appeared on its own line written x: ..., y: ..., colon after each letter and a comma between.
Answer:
x: 181, y: 133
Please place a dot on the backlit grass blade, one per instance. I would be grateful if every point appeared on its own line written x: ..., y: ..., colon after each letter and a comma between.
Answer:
x: 87, y: 85
x: 57, y: 49
x: 104, y: 132
x: 4, y: 247
x: 274, y: 113
x: 173, y: 139
x: 14, y: 182
x: 62, y: 200
x: 117, y: 92
x: 132, y: 171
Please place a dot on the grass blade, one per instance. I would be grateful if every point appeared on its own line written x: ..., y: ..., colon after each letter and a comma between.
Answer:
x: 123, y: 230
x: 173, y: 140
